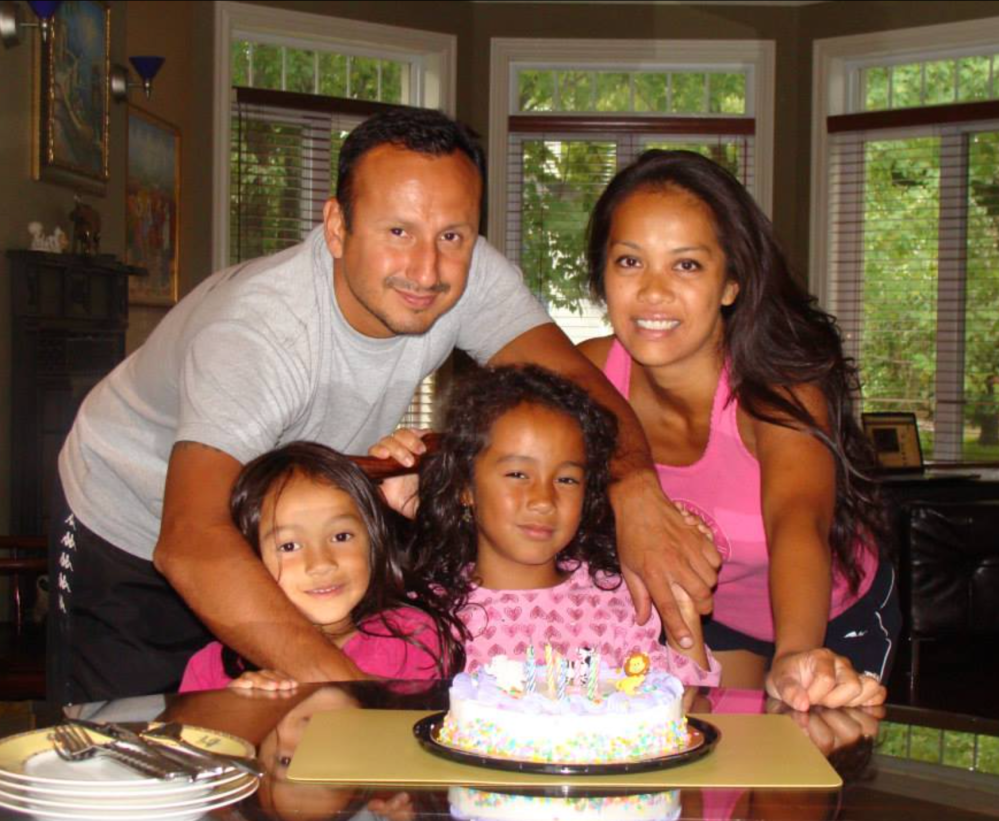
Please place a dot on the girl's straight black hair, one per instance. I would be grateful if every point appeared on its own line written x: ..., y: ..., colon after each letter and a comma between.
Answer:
x: 392, y: 584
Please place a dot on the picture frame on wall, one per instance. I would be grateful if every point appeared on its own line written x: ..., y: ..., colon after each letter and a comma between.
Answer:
x: 152, y: 207
x: 72, y: 99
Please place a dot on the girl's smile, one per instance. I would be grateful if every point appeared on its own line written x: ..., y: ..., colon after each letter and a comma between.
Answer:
x: 527, y: 496
x: 315, y: 545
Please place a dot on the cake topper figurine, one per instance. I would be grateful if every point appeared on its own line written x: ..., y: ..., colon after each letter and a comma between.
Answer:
x: 635, y: 668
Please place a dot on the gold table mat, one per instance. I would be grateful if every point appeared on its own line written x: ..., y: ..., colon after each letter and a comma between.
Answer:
x: 377, y: 747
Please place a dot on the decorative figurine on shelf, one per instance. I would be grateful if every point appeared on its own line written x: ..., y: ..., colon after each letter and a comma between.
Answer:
x: 635, y: 667
x: 39, y: 242
x: 86, y: 228
x: 54, y: 244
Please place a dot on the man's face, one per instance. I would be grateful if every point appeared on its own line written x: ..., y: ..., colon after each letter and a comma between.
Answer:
x: 405, y: 261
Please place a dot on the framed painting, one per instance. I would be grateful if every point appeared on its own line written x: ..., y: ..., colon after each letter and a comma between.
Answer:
x: 895, y: 437
x: 152, y: 207
x: 72, y: 91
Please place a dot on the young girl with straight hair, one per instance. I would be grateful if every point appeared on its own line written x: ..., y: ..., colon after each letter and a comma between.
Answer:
x: 319, y: 527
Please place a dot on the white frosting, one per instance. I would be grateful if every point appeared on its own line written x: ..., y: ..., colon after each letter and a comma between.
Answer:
x: 479, y: 805
x: 495, y: 721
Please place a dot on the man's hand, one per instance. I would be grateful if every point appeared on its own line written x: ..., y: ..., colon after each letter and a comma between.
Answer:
x: 404, y: 445
x: 821, y: 678
x: 657, y: 549
x: 401, y: 493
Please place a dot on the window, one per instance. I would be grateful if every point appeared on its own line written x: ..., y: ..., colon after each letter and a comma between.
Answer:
x: 911, y: 257
x: 570, y: 124
x: 298, y: 84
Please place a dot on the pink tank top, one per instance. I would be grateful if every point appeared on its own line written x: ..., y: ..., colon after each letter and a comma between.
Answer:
x: 723, y: 487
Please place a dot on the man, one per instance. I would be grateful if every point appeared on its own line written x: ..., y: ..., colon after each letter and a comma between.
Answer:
x: 324, y: 341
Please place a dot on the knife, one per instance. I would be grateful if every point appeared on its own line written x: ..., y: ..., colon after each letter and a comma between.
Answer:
x: 161, y: 754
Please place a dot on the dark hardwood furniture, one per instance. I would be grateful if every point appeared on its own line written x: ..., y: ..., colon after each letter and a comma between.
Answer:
x: 69, y: 316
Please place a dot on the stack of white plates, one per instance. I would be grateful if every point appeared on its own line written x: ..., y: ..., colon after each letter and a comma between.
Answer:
x: 34, y: 780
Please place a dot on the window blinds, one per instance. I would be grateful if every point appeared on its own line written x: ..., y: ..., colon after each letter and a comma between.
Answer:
x: 914, y: 268
x: 557, y: 167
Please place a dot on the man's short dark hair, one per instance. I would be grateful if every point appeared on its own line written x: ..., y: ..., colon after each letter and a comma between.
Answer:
x: 416, y: 129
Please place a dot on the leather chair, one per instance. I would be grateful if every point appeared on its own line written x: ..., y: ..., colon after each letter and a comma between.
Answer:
x: 949, y: 573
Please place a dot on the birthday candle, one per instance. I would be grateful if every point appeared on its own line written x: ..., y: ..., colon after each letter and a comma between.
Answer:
x: 529, y: 671
x: 563, y: 677
x: 594, y: 674
x: 550, y: 669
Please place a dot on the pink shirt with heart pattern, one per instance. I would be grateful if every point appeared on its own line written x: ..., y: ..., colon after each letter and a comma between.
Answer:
x: 570, y: 616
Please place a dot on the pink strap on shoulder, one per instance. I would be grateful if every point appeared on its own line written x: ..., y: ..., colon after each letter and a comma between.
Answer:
x: 617, y: 368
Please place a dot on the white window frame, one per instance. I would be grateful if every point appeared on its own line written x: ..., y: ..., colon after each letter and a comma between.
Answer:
x: 432, y: 53
x: 507, y: 54
x: 836, y: 65
x: 835, y: 90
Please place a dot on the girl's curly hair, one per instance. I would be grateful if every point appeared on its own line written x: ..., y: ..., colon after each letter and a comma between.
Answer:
x: 444, y: 545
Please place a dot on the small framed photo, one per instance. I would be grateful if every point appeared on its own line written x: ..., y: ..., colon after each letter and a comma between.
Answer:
x: 72, y: 117
x: 152, y: 207
x: 895, y: 437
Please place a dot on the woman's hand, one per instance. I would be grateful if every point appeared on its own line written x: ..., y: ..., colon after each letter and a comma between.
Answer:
x: 821, y: 678
x: 264, y: 680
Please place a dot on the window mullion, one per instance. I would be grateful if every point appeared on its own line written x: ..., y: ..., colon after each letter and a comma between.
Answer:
x: 951, y: 288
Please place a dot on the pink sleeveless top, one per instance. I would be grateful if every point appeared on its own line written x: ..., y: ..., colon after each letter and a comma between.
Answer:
x: 723, y: 487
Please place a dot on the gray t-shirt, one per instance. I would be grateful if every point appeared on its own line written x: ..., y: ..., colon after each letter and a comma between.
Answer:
x: 256, y: 356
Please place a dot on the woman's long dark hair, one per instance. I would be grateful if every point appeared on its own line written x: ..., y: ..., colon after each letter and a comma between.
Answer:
x: 391, y: 586
x: 776, y: 336
x: 445, y: 539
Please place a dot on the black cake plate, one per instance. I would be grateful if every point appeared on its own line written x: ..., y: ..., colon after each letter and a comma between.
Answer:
x: 704, y: 738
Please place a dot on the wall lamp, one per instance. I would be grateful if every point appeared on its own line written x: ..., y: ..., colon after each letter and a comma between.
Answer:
x: 145, y: 67
x: 11, y: 22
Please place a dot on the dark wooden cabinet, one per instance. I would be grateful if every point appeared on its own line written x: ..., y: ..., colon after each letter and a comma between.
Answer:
x: 69, y: 314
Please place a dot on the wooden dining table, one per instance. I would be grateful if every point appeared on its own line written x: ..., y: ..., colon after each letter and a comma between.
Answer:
x: 896, y: 762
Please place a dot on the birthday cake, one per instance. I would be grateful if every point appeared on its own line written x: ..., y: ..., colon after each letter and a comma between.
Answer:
x: 470, y: 804
x: 549, y: 713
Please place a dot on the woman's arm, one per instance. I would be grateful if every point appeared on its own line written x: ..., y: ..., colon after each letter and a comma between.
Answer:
x: 798, y: 489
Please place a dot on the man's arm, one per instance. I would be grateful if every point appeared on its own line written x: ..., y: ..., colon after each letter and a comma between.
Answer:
x: 206, y: 559
x: 655, y: 547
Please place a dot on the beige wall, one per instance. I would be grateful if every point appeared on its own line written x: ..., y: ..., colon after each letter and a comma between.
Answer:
x: 182, y: 31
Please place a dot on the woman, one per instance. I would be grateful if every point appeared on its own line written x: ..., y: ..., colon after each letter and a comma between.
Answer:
x: 745, y: 396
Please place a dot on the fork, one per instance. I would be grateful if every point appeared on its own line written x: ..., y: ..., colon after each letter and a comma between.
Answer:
x: 75, y: 744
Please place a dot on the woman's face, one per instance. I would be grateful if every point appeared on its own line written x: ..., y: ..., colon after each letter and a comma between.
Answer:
x: 665, y: 279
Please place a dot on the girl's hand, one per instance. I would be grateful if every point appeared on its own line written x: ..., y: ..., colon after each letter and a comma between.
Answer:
x: 264, y: 680
x: 693, y: 520
x: 821, y: 678
x: 403, y: 445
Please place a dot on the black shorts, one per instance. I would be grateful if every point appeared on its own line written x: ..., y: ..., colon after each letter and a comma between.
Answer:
x: 866, y: 632
x: 116, y: 626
